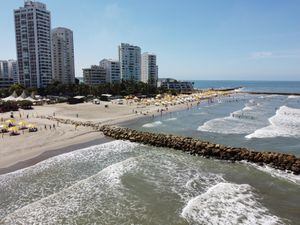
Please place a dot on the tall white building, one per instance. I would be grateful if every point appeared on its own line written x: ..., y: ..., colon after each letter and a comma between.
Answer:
x: 130, y: 62
x: 33, y: 44
x: 112, y: 68
x: 63, y: 55
x: 149, y: 69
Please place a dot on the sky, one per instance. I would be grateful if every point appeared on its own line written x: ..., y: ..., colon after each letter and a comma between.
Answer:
x: 193, y: 39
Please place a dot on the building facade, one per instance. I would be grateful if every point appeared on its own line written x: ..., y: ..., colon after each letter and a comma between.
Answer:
x: 130, y: 62
x: 4, y: 73
x: 9, y: 72
x: 149, y: 69
x: 175, y: 85
x: 63, y: 68
x: 94, y: 75
x: 33, y: 44
x: 112, y: 68
x: 13, y: 71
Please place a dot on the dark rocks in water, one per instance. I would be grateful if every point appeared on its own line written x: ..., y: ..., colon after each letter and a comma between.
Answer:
x: 203, y: 148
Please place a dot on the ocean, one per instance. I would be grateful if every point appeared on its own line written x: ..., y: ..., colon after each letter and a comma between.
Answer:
x: 128, y: 183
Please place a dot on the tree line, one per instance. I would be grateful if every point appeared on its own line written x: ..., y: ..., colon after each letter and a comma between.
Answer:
x: 56, y: 88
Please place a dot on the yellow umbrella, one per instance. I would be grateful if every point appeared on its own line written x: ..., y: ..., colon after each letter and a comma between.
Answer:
x: 10, y: 121
x: 31, y: 126
x: 13, y: 129
x: 22, y: 123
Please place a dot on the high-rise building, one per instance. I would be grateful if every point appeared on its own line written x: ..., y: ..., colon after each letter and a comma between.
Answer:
x: 13, y: 71
x: 63, y: 55
x: 33, y: 44
x: 112, y: 68
x: 149, y: 69
x: 6, y: 79
x: 130, y: 62
x: 94, y: 75
x: 4, y: 73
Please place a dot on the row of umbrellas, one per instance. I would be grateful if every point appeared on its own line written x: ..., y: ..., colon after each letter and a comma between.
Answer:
x: 11, y: 127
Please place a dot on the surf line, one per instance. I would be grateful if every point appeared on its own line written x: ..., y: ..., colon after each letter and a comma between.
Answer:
x: 281, y: 161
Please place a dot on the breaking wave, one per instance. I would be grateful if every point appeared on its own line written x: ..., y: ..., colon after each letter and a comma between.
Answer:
x: 285, y: 123
x: 227, y: 203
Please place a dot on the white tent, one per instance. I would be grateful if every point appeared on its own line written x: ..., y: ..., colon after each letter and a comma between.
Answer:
x: 13, y: 97
x: 22, y: 97
x: 30, y: 99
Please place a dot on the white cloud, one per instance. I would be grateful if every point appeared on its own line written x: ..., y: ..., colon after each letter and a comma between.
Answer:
x: 259, y: 55
x: 269, y: 54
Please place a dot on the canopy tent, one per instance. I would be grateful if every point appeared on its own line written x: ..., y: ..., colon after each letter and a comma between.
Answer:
x: 30, y: 99
x: 22, y: 97
x: 12, y: 97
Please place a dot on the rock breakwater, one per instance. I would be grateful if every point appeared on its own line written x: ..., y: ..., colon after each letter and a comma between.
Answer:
x: 206, y: 149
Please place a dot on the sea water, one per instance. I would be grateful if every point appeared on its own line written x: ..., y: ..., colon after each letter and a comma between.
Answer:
x: 128, y: 183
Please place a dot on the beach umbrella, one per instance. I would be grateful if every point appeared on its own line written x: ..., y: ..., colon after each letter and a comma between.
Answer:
x: 11, y: 121
x: 3, y: 126
x: 13, y: 129
x: 22, y: 123
x: 31, y: 125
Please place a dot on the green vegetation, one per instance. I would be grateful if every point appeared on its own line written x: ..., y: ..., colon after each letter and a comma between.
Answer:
x: 124, y: 88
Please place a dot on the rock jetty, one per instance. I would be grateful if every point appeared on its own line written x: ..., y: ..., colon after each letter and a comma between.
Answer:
x: 206, y: 149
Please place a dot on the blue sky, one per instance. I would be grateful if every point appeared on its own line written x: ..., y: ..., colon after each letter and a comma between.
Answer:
x: 193, y: 39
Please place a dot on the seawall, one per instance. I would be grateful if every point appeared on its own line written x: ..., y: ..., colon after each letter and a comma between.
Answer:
x: 204, y: 148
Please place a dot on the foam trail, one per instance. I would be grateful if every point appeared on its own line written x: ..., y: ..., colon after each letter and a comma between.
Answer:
x: 240, y: 121
x: 82, y: 198
x: 285, y: 123
x: 58, y: 173
x: 154, y: 124
x: 277, y: 173
x: 227, y: 203
x: 171, y: 119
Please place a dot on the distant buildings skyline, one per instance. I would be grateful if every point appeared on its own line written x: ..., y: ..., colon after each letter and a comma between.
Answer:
x: 45, y: 55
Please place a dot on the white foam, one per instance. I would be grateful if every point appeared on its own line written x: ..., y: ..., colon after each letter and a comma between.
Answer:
x: 58, y: 173
x: 285, y: 123
x: 153, y: 124
x: 277, y: 173
x: 242, y: 121
x: 293, y: 96
x: 171, y: 119
x: 80, y: 199
x: 227, y: 203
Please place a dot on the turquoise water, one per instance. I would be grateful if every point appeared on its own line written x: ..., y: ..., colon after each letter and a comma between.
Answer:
x: 129, y: 183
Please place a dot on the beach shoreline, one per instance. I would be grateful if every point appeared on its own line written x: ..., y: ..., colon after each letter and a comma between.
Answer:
x: 30, y: 148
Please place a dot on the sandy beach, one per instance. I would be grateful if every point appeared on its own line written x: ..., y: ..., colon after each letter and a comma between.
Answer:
x: 53, y: 136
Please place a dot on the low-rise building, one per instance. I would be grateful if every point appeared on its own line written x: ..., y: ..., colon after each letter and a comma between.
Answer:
x: 94, y: 75
x: 173, y: 84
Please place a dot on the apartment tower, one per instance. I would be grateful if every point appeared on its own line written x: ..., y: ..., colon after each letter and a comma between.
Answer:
x: 130, y: 62
x: 63, y: 55
x: 33, y: 44
x: 149, y: 69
